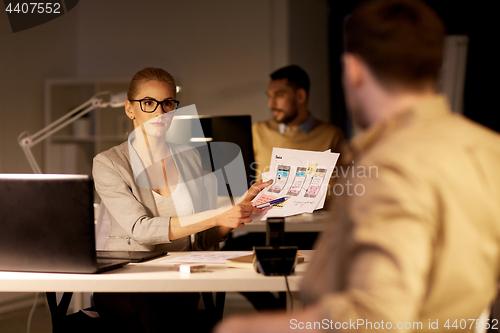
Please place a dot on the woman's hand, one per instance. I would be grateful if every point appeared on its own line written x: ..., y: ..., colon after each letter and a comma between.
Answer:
x: 238, y: 215
x: 253, y: 191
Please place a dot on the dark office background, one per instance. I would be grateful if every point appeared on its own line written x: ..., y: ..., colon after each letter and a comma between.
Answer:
x: 220, y: 51
x: 472, y: 18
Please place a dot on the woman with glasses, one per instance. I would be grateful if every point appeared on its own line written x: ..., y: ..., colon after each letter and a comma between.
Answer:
x: 159, y: 199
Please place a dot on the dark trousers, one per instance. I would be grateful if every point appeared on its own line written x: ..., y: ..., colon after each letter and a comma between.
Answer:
x: 150, y: 312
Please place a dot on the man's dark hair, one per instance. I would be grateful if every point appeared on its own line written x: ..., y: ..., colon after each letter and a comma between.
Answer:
x: 297, y: 77
x: 400, y: 40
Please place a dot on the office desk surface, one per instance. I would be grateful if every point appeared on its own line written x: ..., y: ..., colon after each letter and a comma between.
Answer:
x: 153, y: 276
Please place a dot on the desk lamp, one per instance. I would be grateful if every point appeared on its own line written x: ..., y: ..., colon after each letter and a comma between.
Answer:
x: 26, y: 141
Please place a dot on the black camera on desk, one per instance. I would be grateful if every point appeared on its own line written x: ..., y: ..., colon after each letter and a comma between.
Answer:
x: 275, y: 258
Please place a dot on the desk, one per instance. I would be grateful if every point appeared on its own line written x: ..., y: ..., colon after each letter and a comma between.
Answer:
x: 153, y: 276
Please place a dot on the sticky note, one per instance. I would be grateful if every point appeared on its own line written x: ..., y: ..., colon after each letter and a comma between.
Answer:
x: 263, y: 199
x: 279, y: 205
x: 311, y: 169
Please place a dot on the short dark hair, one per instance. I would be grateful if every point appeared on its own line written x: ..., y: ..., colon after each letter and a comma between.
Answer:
x: 400, y: 40
x: 296, y: 76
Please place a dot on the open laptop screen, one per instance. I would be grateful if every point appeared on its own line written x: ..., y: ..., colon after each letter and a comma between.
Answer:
x: 47, y: 223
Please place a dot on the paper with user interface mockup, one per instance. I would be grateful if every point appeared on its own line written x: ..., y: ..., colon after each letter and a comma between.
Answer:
x: 301, y: 175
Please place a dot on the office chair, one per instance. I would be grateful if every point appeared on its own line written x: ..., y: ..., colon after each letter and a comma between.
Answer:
x: 102, y: 227
x: 81, y: 321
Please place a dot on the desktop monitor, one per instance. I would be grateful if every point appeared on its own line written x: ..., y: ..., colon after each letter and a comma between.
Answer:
x: 221, y: 140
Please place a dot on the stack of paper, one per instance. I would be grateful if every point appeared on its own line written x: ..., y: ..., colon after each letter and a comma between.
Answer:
x: 300, y: 175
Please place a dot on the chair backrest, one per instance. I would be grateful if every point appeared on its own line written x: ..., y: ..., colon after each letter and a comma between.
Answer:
x: 103, y: 227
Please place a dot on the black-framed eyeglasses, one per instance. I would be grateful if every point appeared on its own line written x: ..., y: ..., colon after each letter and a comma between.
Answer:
x: 150, y: 105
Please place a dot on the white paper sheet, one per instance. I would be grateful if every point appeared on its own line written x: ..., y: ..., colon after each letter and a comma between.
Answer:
x: 218, y: 257
x: 300, y: 174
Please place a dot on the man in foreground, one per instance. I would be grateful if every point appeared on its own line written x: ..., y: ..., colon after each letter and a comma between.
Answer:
x: 420, y: 249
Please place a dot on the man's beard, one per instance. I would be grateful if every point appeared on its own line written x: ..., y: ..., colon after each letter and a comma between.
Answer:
x: 287, y: 117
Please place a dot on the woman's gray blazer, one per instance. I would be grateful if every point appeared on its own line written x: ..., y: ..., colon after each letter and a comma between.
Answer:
x: 132, y: 209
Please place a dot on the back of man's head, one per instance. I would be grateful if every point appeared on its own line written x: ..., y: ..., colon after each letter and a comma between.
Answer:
x: 400, y: 40
x: 296, y: 76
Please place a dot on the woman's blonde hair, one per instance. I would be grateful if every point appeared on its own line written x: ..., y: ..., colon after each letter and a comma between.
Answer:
x: 149, y: 74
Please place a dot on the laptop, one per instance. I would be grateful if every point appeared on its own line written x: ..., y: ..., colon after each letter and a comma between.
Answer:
x: 47, y: 224
x: 132, y: 256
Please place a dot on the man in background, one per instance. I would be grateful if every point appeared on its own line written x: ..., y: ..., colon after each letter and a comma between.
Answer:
x: 292, y: 125
x: 420, y: 249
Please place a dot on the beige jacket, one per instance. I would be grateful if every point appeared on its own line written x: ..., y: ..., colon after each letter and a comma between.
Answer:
x: 420, y: 241
x: 135, y: 224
